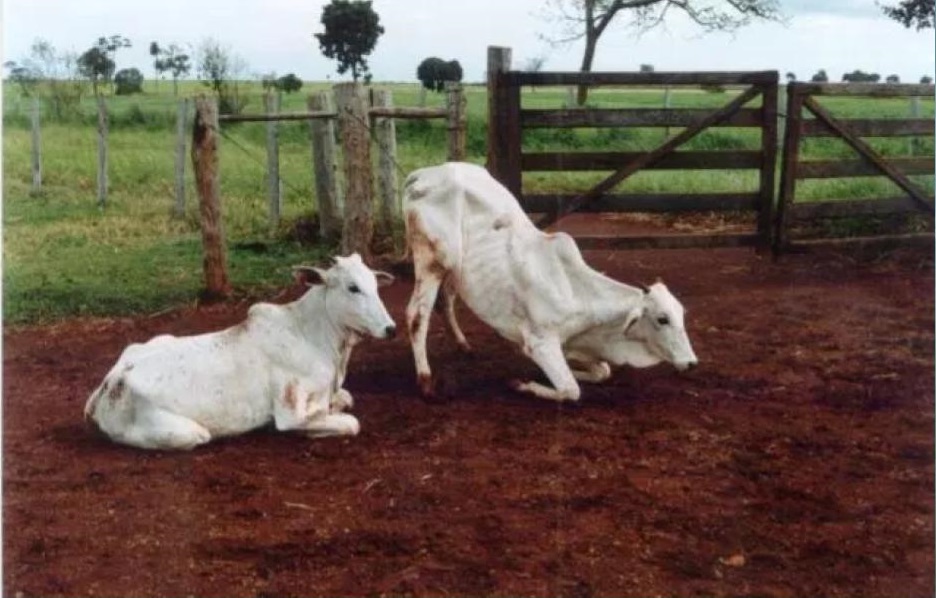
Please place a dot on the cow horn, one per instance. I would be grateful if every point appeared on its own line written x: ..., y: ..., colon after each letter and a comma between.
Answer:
x: 643, y: 288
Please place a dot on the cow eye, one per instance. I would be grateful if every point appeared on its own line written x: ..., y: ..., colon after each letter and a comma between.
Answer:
x: 354, y: 289
x: 662, y: 320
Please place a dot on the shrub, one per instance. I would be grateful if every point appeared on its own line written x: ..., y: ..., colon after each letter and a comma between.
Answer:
x: 128, y: 81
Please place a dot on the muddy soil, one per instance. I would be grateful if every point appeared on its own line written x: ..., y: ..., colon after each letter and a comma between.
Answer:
x: 796, y: 460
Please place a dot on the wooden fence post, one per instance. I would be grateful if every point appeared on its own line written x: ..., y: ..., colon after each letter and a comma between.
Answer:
x: 666, y: 105
x: 503, y: 139
x: 915, y: 142
x: 205, y: 163
x: 181, y: 117
x: 102, y: 152
x: 385, y: 133
x: 456, y: 123
x: 271, y: 103
x: 358, y: 228
x: 325, y: 167
x: 781, y: 115
x: 767, y: 211
x: 36, y: 148
x: 788, y: 166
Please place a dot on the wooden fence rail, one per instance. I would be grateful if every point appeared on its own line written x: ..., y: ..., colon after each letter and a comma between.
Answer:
x: 348, y: 214
x: 802, y: 101
x: 508, y: 159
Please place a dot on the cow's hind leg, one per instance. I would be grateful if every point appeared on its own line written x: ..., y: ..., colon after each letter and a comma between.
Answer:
x: 428, y: 280
x: 156, y: 428
x: 597, y: 371
x: 449, y: 294
x: 547, y: 354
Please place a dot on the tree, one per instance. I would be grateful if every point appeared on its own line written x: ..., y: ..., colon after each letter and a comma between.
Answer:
x: 351, y: 32
x: 268, y: 81
x: 926, y: 80
x: 791, y: 77
x: 97, y: 67
x: 892, y: 79
x: 154, y: 52
x: 22, y: 75
x: 176, y: 62
x: 589, y: 19
x: 219, y: 69
x: 820, y: 77
x: 646, y: 68
x: 128, y: 81
x: 52, y: 74
x: 288, y: 83
x: 913, y: 13
x: 534, y: 64
x: 98, y: 63
x: 433, y: 73
x: 859, y: 76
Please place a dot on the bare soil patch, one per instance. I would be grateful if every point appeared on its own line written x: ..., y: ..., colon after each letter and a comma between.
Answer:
x: 796, y: 460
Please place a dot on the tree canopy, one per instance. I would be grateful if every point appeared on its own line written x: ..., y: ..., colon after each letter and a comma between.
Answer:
x: 98, y: 62
x: 128, y: 81
x: 351, y: 32
x: 859, y: 76
x: 434, y: 72
x: 913, y: 13
x: 589, y: 19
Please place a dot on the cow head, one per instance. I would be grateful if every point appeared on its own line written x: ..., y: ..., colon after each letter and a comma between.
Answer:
x: 351, y: 297
x: 657, y: 324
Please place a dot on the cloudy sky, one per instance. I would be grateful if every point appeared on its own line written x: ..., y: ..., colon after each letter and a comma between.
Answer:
x: 276, y: 35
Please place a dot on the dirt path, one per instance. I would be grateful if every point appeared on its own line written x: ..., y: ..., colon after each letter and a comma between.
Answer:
x: 796, y: 460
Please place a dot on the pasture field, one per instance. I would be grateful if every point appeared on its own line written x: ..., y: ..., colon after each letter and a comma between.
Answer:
x: 64, y: 256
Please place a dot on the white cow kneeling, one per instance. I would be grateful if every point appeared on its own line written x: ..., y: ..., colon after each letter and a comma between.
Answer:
x: 470, y: 238
x: 283, y: 363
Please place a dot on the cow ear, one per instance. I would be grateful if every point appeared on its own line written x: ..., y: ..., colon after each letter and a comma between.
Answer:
x: 308, y: 276
x: 632, y: 317
x: 383, y: 278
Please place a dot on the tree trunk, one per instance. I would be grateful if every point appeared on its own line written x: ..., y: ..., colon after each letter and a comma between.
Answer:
x: 591, y: 41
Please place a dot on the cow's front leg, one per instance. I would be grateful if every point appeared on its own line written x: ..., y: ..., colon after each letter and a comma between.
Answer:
x: 301, y: 410
x: 547, y: 354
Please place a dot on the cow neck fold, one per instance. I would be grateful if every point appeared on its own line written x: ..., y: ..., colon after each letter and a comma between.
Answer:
x: 610, y: 299
x: 317, y: 324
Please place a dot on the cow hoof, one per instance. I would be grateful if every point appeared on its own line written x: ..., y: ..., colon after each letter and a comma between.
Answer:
x: 426, y: 388
x: 341, y: 401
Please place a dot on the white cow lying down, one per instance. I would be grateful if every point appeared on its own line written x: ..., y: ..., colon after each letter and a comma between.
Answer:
x: 469, y: 236
x: 284, y: 363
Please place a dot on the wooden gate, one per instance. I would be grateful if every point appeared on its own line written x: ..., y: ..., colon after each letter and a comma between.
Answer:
x: 507, y: 161
x: 870, y: 163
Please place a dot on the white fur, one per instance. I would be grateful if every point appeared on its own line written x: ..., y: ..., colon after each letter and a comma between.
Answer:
x: 284, y: 363
x: 469, y: 237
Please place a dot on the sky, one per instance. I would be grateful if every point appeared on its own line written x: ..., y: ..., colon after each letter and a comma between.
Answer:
x: 276, y: 36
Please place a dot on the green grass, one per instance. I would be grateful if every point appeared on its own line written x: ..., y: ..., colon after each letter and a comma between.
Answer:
x: 65, y: 256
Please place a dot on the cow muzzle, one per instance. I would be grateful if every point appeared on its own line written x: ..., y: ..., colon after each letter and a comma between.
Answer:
x: 685, y: 366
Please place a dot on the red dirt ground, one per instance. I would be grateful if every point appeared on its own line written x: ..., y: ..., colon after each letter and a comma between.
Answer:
x: 796, y: 460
